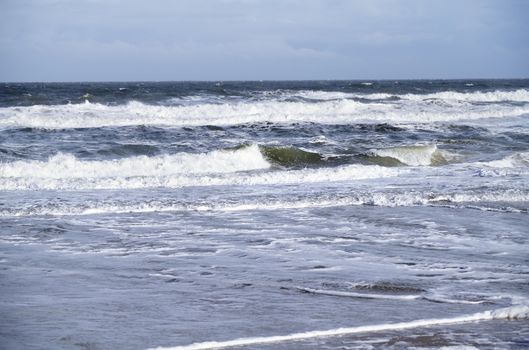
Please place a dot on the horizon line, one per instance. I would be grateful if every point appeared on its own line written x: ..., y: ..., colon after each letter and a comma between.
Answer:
x: 246, y: 80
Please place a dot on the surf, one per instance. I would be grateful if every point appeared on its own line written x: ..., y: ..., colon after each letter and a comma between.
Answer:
x: 486, y: 201
x: 414, y: 155
x: 63, y: 165
x: 242, y: 166
x: 340, y: 111
x: 519, y: 312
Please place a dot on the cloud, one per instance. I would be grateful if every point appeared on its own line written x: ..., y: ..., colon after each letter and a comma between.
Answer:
x: 116, y: 40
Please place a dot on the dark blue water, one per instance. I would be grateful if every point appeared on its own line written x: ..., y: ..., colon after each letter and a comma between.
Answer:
x: 138, y: 215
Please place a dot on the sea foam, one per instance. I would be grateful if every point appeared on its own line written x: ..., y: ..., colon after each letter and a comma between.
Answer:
x: 387, y: 296
x: 335, y: 111
x: 181, y: 170
x: 509, y: 313
x: 520, y: 95
x: 415, y: 155
x: 371, y: 199
x: 520, y: 159
x: 62, y: 166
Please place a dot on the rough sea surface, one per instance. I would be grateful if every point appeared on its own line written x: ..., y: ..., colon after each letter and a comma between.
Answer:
x: 265, y: 215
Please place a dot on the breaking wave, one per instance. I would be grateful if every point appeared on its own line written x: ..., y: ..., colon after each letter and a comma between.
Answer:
x: 520, y: 95
x: 409, y: 155
x: 342, y: 111
x: 67, y: 166
x: 243, y: 166
x: 513, y: 165
x: 512, y: 161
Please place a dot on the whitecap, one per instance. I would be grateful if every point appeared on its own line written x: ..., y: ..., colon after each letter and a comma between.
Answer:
x: 239, y: 167
x: 341, y: 111
x: 415, y: 155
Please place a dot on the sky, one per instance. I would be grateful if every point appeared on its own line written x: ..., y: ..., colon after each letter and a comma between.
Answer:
x: 161, y: 40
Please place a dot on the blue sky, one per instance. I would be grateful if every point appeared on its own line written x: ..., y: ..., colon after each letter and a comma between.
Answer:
x: 110, y: 40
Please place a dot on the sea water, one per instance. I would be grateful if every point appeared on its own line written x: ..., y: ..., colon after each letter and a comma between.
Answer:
x: 265, y: 215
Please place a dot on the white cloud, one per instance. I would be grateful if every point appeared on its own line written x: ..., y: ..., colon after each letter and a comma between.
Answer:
x: 239, y: 34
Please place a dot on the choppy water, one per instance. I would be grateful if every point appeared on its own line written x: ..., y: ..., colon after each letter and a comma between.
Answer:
x: 329, y: 215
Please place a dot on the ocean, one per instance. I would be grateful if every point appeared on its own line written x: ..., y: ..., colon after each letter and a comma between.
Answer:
x: 265, y: 215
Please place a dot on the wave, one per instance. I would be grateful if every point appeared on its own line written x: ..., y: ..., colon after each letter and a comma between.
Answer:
x: 243, y: 166
x: 360, y: 295
x: 508, y: 313
x: 483, y: 201
x: 61, y: 166
x: 512, y: 195
x: 516, y: 160
x: 343, y: 111
x: 404, y: 297
x: 318, y: 95
x: 520, y: 95
x: 417, y: 155
x: 288, y: 156
x: 513, y: 165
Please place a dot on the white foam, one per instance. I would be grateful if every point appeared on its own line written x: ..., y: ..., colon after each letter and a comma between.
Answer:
x: 342, y: 111
x: 513, y: 165
x: 320, y: 95
x: 514, y: 312
x: 378, y: 199
x: 520, y: 95
x: 62, y: 166
x: 437, y: 299
x: 212, y: 169
x: 404, y: 297
x: 417, y: 155
x: 450, y: 97
x: 512, y: 161
x: 512, y: 195
x: 360, y: 295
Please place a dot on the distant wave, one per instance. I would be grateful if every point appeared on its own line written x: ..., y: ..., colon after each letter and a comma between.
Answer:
x: 336, y: 111
x: 520, y: 95
x: 513, y: 312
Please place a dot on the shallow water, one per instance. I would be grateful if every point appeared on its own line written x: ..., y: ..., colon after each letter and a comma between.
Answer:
x: 139, y: 215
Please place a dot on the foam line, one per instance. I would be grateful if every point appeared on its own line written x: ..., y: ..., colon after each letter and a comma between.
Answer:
x: 68, y: 173
x: 514, y: 312
x: 360, y: 295
x: 520, y: 95
x: 377, y: 199
x: 342, y: 111
x: 387, y: 296
x: 453, y: 301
